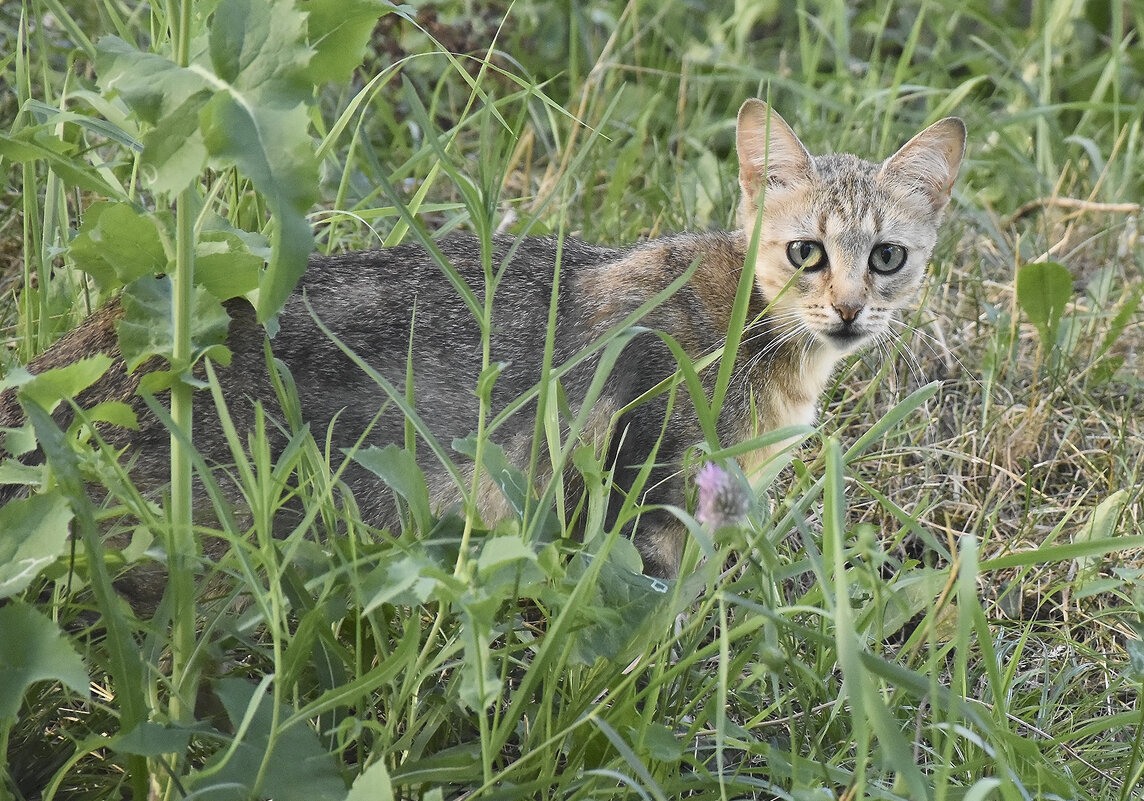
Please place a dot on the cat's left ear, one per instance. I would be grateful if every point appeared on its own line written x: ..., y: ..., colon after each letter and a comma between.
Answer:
x: 930, y: 160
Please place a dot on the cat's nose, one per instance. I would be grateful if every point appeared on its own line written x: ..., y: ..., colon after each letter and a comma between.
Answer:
x: 848, y: 312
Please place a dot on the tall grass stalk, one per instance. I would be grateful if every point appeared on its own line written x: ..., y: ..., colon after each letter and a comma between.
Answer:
x: 182, y: 549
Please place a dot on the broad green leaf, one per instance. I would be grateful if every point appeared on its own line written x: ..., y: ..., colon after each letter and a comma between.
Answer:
x: 401, y: 473
x: 259, y: 46
x: 117, y: 413
x: 153, y: 739
x: 511, y: 481
x: 662, y: 743
x: 168, y: 98
x: 33, y: 533
x: 1043, y: 291
x: 260, y: 125
x: 397, y: 582
x: 17, y: 440
x: 242, y: 103
x: 1099, y: 586
x: 33, y: 649
x: 503, y: 550
x: 339, y: 31
x: 225, y: 266
x: 217, y: 229
x: 911, y: 593
x: 373, y: 784
x: 146, y: 329
x: 48, y: 388
x: 453, y: 764
x: 299, y: 767
x: 16, y: 377
x: 152, y: 86
x: 623, y: 613
x: 174, y: 153
x: 269, y: 145
x: 117, y: 244
x: 13, y: 472
x: 480, y: 686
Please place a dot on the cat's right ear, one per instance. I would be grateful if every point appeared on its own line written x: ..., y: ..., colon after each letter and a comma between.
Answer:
x: 769, y: 153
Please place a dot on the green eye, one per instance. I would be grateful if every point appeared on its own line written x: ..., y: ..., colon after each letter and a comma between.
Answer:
x: 887, y: 258
x: 806, y: 255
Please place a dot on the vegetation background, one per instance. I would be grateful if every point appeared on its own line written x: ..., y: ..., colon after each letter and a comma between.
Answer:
x: 939, y: 597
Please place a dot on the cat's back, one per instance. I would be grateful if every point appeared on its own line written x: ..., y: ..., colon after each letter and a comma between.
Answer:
x: 372, y: 297
x: 406, y: 307
x: 395, y: 275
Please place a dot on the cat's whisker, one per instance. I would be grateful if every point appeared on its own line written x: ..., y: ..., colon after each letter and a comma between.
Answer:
x: 899, y: 348
x: 770, y: 350
x: 894, y: 347
x: 936, y: 346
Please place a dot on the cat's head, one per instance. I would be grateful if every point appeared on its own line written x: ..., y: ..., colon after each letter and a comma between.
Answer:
x: 844, y: 242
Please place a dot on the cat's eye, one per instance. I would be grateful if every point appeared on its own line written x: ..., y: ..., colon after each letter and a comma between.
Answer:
x: 807, y: 255
x: 887, y: 258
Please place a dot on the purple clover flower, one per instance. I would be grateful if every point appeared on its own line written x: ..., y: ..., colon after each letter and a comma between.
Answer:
x: 723, y: 501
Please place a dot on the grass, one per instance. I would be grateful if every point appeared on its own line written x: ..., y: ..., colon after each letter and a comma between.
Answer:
x: 940, y: 597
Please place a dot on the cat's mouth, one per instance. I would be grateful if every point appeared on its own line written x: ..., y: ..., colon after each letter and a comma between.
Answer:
x: 847, y: 337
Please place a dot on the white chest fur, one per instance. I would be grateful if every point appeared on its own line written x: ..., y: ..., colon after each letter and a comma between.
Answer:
x: 793, y: 402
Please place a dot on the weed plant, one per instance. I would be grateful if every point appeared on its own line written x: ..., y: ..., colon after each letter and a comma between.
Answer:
x: 937, y: 595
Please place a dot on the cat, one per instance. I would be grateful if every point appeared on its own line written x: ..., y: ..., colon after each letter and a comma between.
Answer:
x: 842, y: 246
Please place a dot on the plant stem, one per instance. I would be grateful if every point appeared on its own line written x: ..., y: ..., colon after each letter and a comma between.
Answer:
x: 181, y: 548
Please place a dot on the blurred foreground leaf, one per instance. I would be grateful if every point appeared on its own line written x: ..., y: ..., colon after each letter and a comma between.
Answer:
x: 291, y: 761
x: 33, y: 649
x: 33, y: 532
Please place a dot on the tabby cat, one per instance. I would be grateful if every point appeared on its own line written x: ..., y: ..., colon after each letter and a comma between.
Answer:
x: 842, y: 246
